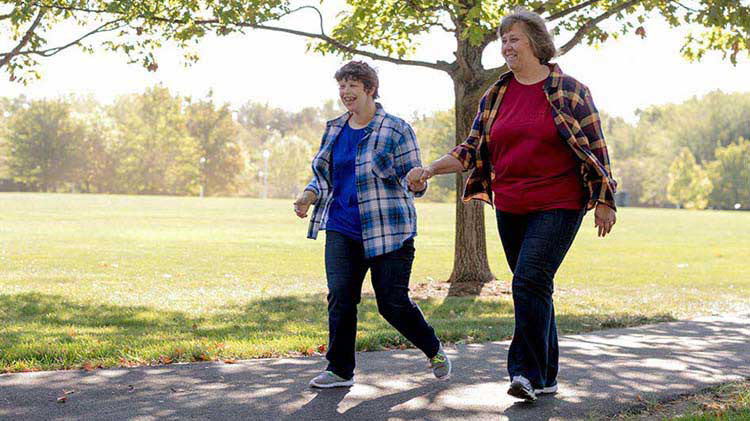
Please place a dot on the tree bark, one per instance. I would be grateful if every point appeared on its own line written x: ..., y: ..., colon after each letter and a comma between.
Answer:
x: 470, y: 263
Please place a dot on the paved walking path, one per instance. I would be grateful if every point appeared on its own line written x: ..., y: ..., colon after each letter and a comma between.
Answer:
x: 601, y: 373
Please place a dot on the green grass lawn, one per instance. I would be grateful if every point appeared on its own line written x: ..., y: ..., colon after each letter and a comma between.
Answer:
x: 88, y: 280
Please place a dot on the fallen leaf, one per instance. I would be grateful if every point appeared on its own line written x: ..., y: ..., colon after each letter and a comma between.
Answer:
x: 321, y: 348
x: 87, y: 366
x: 230, y: 361
x: 165, y: 359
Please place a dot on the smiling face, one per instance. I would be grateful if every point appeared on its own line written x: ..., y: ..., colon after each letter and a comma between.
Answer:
x: 354, y: 96
x: 516, y: 48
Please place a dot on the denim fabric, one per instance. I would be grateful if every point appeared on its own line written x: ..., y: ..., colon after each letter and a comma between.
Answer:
x: 535, y: 245
x: 346, y: 267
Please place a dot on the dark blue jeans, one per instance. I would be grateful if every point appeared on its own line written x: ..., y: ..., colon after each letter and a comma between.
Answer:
x: 535, y: 245
x: 346, y: 267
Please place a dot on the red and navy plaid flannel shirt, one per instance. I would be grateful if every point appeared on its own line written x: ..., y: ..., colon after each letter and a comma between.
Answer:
x: 577, y: 122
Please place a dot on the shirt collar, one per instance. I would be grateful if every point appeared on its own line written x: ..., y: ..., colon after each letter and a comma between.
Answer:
x: 376, y: 121
x: 553, y: 80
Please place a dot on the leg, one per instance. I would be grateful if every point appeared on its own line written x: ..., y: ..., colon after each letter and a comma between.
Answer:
x: 345, y: 271
x: 511, y: 228
x: 554, y: 353
x: 547, y: 239
x: 390, y: 280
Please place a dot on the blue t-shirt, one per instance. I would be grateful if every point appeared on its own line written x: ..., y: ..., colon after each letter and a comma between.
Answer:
x: 343, y: 215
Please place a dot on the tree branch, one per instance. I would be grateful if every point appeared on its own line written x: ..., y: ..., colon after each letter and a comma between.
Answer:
x: 685, y: 7
x: 440, y: 65
x: 423, y: 9
x: 69, y: 8
x: 341, y: 46
x: 573, y: 9
x: 591, y: 24
x: 54, y: 50
x: 25, y: 40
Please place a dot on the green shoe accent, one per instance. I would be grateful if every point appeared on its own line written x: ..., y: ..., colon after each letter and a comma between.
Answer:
x: 441, y: 365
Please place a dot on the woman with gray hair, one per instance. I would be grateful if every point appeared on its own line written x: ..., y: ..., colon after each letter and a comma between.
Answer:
x: 538, y: 155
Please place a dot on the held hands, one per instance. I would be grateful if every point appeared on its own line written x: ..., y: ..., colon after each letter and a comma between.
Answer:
x: 303, y: 202
x: 604, y: 219
x: 417, y: 178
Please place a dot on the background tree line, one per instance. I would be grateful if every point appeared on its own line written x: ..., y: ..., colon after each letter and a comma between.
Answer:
x: 695, y: 154
x: 156, y: 142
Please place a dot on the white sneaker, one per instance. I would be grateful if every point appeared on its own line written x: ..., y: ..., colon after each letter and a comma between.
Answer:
x: 521, y: 388
x: 546, y: 390
x: 327, y: 380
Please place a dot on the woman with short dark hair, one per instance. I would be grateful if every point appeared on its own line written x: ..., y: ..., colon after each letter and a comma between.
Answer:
x: 365, y: 205
x: 538, y: 155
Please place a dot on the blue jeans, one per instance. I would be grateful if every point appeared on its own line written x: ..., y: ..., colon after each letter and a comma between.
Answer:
x: 535, y: 245
x: 346, y: 267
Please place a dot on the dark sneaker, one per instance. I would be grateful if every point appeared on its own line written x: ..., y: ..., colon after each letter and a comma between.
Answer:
x: 327, y: 379
x: 521, y: 388
x: 546, y: 390
x: 441, y: 365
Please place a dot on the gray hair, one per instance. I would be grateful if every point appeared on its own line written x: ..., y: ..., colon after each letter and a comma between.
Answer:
x: 535, y: 29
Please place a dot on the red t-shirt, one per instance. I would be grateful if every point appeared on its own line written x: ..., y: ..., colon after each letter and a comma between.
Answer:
x: 534, y: 168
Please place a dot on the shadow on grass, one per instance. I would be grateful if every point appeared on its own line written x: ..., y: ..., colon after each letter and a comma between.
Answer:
x: 50, y: 332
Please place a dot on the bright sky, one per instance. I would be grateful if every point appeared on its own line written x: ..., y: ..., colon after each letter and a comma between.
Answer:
x: 274, y: 68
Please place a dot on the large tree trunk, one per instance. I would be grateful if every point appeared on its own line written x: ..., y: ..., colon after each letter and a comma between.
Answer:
x: 470, y: 262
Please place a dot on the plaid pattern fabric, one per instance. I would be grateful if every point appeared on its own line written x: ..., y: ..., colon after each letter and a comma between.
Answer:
x: 577, y: 122
x: 386, y: 205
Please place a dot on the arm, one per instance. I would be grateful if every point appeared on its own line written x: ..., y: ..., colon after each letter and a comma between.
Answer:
x: 602, y: 187
x: 587, y: 115
x: 305, y: 199
x: 461, y: 158
x: 407, y: 158
x: 467, y: 152
x: 312, y: 186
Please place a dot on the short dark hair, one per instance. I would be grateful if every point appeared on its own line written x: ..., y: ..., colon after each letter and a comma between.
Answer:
x: 540, y: 39
x: 361, y: 72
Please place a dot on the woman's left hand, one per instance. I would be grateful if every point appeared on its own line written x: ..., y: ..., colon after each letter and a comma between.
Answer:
x: 414, y: 179
x: 604, y: 219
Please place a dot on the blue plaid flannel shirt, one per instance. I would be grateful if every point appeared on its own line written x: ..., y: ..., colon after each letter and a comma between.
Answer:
x: 385, y: 155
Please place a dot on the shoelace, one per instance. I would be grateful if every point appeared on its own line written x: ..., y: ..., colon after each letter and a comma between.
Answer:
x: 437, y: 359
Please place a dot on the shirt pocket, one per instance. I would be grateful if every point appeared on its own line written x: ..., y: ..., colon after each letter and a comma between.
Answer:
x: 382, y: 164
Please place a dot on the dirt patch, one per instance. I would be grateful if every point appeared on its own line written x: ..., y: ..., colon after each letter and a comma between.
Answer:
x: 436, y: 289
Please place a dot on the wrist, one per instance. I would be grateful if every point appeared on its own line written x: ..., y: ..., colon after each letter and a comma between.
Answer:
x: 309, y: 196
x: 430, y: 169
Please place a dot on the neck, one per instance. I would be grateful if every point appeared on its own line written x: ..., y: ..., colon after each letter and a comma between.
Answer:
x: 531, y: 74
x: 361, y: 118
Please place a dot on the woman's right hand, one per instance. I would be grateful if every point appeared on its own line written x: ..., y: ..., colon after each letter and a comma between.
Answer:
x: 303, y: 202
x: 417, y: 177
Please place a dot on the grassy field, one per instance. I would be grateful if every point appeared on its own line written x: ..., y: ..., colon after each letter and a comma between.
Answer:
x: 90, y: 280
